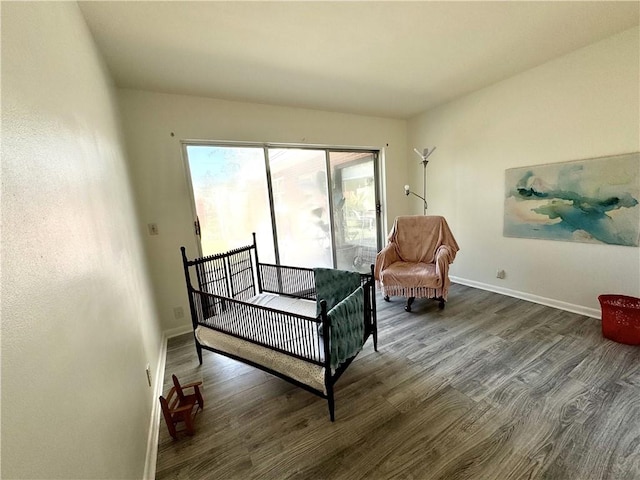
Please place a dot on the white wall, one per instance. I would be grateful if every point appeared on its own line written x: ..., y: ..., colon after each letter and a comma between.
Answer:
x: 149, y: 119
x: 582, y: 105
x: 78, y: 320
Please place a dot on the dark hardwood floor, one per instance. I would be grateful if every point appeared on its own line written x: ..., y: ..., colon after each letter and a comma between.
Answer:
x: 491, y: 387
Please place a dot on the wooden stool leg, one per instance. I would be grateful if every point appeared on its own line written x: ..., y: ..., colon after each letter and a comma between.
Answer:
x: 188, y: 422
x: 167, y: 418
x: 199, y: 397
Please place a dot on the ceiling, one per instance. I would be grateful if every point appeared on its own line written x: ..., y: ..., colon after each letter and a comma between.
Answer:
x: 390, y: 59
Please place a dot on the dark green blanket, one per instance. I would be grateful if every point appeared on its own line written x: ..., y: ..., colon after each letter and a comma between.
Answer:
x: 347, y: 327
x: 345, y: 308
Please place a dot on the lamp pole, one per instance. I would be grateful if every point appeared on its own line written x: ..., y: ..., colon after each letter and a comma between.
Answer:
x: 424, y: 182
x: 424, y: 155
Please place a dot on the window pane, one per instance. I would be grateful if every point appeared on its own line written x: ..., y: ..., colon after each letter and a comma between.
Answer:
x: 230, y: 193
x: 301, y: 203
x: 354, y: 209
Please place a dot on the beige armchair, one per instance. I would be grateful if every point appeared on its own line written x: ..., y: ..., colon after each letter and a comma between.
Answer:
x: 415, y: 263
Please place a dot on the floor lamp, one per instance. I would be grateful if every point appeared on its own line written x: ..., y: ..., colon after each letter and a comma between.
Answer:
x: 407, y: 190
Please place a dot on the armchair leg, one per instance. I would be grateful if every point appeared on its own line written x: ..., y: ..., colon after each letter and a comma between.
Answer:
x: 441, y: 304
x: 410, y: 300
x: 386, y: 298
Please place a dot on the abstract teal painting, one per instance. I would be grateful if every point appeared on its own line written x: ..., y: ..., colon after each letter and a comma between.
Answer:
x: 592, y: 201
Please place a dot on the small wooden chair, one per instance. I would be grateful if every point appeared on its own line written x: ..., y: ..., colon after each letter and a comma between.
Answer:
x: 178, y: 407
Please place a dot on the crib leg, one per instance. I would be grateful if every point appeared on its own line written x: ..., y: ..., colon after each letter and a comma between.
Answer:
x: 199, y: 350
x: 332, y: 414
x: 374, y: 326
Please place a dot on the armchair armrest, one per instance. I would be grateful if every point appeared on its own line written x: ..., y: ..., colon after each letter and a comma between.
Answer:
x: 384, y: 258
x: 444, y: 256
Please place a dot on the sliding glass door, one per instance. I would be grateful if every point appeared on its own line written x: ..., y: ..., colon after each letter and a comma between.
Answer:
x: 310, y: 207
x: 231, y: 198
x: 355, y: 216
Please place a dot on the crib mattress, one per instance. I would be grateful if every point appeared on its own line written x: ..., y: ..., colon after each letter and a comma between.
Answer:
x: 287, y: 334
x: 304, y: 372
x: 287, y: 304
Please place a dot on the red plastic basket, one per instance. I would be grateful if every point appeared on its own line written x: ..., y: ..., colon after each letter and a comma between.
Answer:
x: 620, y: 318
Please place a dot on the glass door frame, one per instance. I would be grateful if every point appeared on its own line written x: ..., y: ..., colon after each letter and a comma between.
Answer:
x: 375, y: 152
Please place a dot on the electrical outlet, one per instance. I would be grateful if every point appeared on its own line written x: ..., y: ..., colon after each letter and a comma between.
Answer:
x: 178, y: 313
x: 153, y: 228
x: 149, y: 374
x: 501, y: 274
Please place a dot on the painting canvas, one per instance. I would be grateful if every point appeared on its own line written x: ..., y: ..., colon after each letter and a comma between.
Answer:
x: 593, y: 201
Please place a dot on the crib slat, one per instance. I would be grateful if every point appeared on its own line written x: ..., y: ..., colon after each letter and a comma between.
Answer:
x: 281, y: 331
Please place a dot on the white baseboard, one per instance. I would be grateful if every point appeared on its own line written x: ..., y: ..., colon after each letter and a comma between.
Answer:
x: 549, y: 302
x: 154, y: 427
x: 174, y: 332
